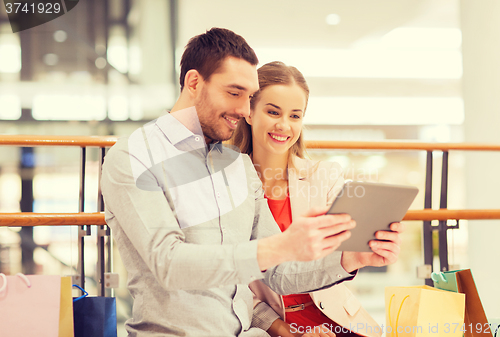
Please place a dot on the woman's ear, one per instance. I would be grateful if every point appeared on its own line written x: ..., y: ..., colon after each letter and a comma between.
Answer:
x: 192, y: 80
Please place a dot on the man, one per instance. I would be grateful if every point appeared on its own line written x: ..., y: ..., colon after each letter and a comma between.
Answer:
x: 189, y: 216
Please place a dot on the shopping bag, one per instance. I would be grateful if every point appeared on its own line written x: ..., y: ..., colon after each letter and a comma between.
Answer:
x: 423, y: 311
x: 30, y: 305
x: 94, y: 316
x: 461, y: 281
x: 66, y: 309
x: 494, y: 326
x: 346, y: 310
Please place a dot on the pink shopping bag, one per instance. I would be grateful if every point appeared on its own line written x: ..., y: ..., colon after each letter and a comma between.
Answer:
x: 29, y: 305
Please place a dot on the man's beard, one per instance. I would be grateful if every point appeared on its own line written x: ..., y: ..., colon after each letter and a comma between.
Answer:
x: 209, y: 119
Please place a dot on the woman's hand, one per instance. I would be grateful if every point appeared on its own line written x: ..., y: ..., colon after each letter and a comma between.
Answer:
x: 384, y: 252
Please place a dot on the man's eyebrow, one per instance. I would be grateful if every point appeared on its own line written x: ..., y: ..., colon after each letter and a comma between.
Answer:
x: 237, y: 86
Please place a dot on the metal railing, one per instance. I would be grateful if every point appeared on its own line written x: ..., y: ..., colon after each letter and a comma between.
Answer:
x: 85, y: 220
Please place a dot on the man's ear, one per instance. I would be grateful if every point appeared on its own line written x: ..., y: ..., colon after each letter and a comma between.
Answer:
x: 192, y: 81
x: 249, y: 118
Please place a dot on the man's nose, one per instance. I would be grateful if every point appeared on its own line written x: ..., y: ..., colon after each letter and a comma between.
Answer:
x: 243, y: 108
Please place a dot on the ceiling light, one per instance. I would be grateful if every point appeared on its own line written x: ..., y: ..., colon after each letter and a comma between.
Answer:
x: 11, y: 107
x: 69, y: 107
x: 332, y: 19
x: 50, y: 59
x: 117, y: 52
x: 423, y: 38
x: 118, y: 108
x: 100, y: 63
x: 10, y: 58
x: 60, y: 36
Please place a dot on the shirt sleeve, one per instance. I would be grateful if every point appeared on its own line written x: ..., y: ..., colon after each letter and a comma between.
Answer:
x: 296, y: 277
x: 145, y: 218
x: 263, y: 316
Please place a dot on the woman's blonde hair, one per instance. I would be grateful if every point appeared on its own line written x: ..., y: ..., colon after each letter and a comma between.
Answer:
x: 271, y: 74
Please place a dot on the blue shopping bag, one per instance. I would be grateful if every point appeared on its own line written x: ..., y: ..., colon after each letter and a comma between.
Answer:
x: 94, y: 316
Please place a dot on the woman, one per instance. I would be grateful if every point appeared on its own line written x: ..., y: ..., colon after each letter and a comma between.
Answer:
x: 272, y: 136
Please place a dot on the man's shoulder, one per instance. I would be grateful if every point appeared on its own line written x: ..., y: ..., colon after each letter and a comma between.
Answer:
x: 139, y: 135
x: 133, y: 145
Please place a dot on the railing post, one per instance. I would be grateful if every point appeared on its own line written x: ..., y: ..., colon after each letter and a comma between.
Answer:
x: 102, y: 233
x: 26, y: 168
x: 427, y: 227
x: 83, y: 230
x: 443, y: 225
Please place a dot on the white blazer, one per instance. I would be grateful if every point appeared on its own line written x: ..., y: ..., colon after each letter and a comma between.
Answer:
x: 310, y: 184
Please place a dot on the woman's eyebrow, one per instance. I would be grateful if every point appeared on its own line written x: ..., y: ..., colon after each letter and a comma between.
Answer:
x: 274, y: 105
x: 277, y: 107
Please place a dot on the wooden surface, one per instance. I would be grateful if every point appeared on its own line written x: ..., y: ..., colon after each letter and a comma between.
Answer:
x: 401, y: 145
x: 107, y: 141
x: 80, y: 219
x: 51, y: 219
x: 30, y: 140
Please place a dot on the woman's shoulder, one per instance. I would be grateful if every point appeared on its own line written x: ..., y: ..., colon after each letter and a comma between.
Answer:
x: 304, y: 167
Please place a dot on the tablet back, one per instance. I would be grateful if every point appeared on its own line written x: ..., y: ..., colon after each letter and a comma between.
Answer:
x: 374, y: 207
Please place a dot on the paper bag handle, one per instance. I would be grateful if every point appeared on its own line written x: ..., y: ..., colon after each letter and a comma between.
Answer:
x: 4, y: 281
x: 399, y: 311
x: 85, y: 294
x: 434, y: 277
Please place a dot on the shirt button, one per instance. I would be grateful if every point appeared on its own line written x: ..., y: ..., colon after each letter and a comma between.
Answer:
x: 218, y: 195
x: 321, y: 305
x: 339, y: 276
x: 197, y: 139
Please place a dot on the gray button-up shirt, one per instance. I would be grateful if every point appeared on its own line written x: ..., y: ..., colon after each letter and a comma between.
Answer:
x: 186, y: 219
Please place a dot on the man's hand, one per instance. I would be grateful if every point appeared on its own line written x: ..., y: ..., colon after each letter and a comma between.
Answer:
x: 316, y: 234
x: 384, y: 252
x: 310, y: 237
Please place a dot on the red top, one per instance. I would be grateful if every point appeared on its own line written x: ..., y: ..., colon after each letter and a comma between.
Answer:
x: 311, y: 316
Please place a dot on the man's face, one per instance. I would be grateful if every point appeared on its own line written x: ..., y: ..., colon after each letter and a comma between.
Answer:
x: 225, y: 98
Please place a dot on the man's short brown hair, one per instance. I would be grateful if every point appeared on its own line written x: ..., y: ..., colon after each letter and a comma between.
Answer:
x: 205, y: 52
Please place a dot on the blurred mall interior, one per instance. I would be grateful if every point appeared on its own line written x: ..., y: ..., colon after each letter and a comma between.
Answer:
x: 413, y: 70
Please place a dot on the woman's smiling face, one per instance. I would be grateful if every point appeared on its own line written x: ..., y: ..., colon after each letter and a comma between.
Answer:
x: 276, y: 119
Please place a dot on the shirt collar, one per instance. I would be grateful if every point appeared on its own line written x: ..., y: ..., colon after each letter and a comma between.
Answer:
x: 219, y: 146
x: 180, y: 125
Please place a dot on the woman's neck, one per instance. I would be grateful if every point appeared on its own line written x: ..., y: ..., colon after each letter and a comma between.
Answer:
x: 272, y: 170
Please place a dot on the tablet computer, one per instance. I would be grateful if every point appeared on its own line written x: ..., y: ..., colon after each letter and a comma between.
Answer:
x: 374, y: 206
